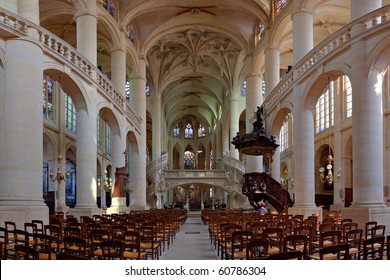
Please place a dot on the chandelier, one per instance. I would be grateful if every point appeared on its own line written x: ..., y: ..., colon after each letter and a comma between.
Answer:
x: 329, y: 178
x: 59, y: 176
x: 107, y: 182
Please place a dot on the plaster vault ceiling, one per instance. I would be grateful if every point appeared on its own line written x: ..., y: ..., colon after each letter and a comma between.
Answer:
x: 195, y: 50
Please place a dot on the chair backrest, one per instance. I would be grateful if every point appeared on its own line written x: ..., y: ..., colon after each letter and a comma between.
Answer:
x: 287, y: 255
x: 132, y: 242
x: 112, y: 249
x: 368, y: 229
x: 341, y: 251
x: 39, y: 224
x: 274, y: 236
x: 257, y: 249
x: 21, y: 237
x: 328, y: 238
x: 72, y: 231
x: 43, y: 244
x: 75, y: 245
x: 347, y: 226
x: 296, y: 242
x: 373, y: 248
x: 239, y: 241
x: 378, y: 230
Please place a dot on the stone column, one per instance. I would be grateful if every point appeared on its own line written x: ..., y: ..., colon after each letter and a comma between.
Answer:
x: 254, y: 98
x: 303, y: 141
x: 10, y: 5
x: 302, y: 31
x: 29, y: 9
x: 138, y: 158
x: 86, y: 160
x: 275, y: 165
x: 21, y: 134
x: 234, y: 117
x: 360, y: 8
x: 201, y: 198
x: 156, y: 126
x: 118, y: 69
x: 272, y: 69
x: 87, y: 31
x: 118, y: 199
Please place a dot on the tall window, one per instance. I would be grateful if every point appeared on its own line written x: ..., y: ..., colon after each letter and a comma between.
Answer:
x: 99, y: 134
x: 47, y: 98
x: 263, y: 88
x: 107, y: 130
x: 189, y: 132
x: 127, y: 90
x: 109, y: 6
x: 283, y: 135
x: 176, y: 131
x: 279, y: 5
x: 70, y: 114
x: 261, y: 29
x: 130, y: 33
x: 325, y: 109
x: 201, y: 131
x: 147, y: 89
x: 348, y: 97
x: 243, y: 88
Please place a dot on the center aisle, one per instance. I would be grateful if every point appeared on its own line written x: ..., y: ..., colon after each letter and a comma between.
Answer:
x: 192, y: 242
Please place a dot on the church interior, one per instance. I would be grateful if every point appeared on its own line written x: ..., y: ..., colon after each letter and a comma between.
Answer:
x: 145, y: 122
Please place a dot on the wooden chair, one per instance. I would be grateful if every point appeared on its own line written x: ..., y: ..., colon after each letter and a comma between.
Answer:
x: 378, y: 230
x: 238, y: 245
x: 275, y: 239
x: 368, y: 229
x: 112, y: 249
x: 327, y: 238
x: 96, y: 238
x: 354, y: 239
x: 288, y: 255
x: 226, y: 243
x: 70, y: 231
x: 74, y: 245
x: 39, y: 223
x: 335, y: 252
x: 31, y: 228
x: 345, y: 227
x: 388, y: 248
x: 132, y: 246
x: 56, y: 237
x: 257, y: 249
x: 149, y: 243
x: 373, y: 248
x: 7, y: 245
x: 23, y: 252
x: 296, y: 242
x: 43, y: 244
x: 117, y: 232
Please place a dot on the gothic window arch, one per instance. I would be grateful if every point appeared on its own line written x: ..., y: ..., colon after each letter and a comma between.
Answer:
x: 201, y: 131
x: 188, y: 132
x: 176, y: 131
x: 283, y: 135
x: 109, y: 6
x: 243, y: 88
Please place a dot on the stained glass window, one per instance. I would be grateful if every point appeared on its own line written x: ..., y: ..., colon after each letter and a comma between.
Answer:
x: 189, y: 160
x: 280, y: 4
x: 261, y: 29
x: 263, y: 88
x: 189, y: 132
x: 127, y: 90
x: 147, y: 88
x: 201, y: 131
x: 348, y: 97
x: 109, y: 6
x: 47, y: 97
x: 176, y: 131
x: 325, y: 109
x: 130, y: 33
x: 70, y: 114
x: 243, y: 88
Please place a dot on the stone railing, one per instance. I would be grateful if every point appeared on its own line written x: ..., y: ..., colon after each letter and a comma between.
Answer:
x: 65, y: 53
x: 156, y: 165
x: 334, y: 44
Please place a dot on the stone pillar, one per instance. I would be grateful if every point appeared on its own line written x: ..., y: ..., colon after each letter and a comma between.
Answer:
x: 138, y: 158
x: 10, y: 5
x: 201, y: 198
x: 118, y: 199
x: 87, y: 32
x: 338, y: 191
x: 29, y: 9
x: 272, y: 69
x: 302, y: 31
x: 254, y: 98
x: 21, y: 134
x: 303, y: 141
x: 156, y: 126
x: 118, y: 69
x: 360, y: 8
x: 86, y: 161
x: 234, y: 118
x: 275, y: 165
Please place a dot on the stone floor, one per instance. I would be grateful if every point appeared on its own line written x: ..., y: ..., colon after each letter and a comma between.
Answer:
x: 192, y: 242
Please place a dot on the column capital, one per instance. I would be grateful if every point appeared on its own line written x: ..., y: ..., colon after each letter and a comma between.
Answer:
x: 300, y: 12
x: 84, y: 13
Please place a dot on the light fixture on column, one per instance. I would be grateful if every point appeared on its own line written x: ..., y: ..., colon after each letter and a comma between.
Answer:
x: 59, y: 176
x: 107, y: 182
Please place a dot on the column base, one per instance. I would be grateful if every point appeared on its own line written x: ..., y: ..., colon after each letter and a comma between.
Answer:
x: 306, y: 211
x: 118, y: 205
x: 63, y: 208
x: 85, y: 211
x: 362, y: 215
x: 24, y: 214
